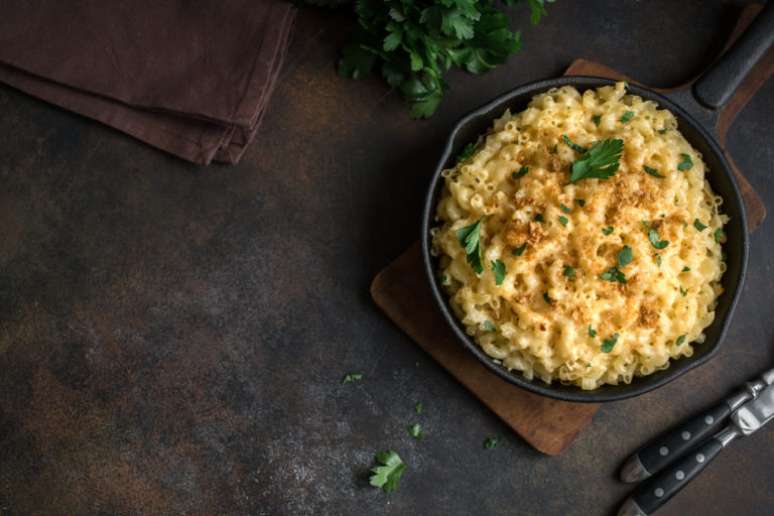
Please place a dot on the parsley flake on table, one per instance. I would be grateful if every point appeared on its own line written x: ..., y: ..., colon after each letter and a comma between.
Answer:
x: 625, y: 256
x: 626, y: 117
x: 574, y: 146
x: 419, y: 407
x: 680, y: 340
x: 520, y: 173
x: 518, y: 251
x: 352, y: 378
x: 596, y: 119
x: 490, y: 443
x: 563, y: 220
x: 498, y: 267
x: 601, y: 161
x: 609, y: 344
x: 466, y: 153
x: 569, y: 272
x: 470, y: 239
x: 613, y: 274
x: 489, y: 326
x: 608, y: 230
x: 592, y: 332
x: 686, y: 163
x: 720, y: 235
x: 653, y: 172
x: 564, y: 208
x: 415, y: 431
x: 698, y: 225
x: 389, y: 472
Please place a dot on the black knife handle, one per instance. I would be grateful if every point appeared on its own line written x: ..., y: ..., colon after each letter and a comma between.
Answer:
x: 672, y: 444
x: 654, y: 492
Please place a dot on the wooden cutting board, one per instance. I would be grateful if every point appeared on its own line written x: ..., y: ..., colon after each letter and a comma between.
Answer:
x: 402, y: 292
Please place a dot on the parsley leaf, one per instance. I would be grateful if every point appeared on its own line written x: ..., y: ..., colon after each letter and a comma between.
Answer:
x: 683, y: 292
x: 563, y: 220
x: 686, y: 163
x: 572, y: 145
x: 518, y: 251
x: 601, y: 161
x: 608, y: 230
x: 352, y: 378
x: 498, y: 267
x: 613, y: 274
x: 698, y: 225
x: 627, y: 116
x: 569, y: 272
x: 418, y: 407
x: 720, y: 235
x: 466, y: 153
x: 686, y: 269
x: 624, y: 256
x: 592, y: 332
x: 388, y: 474
x: 489, y: 326
x: 680, y: 340
x: 655, y: 239
x: 470, y: 239
x: 653, y: 172
x: 520, y: 173
x: 596, y: 119
x: 609, y: 344
x: 564, y: 208
x: 490, y: 443
x: 415, y: 431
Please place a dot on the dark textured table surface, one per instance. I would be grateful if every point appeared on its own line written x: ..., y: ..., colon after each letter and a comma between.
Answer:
x: 172, y: 338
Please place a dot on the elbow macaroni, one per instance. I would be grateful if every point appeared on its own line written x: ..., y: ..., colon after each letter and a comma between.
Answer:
x: 543, y: 322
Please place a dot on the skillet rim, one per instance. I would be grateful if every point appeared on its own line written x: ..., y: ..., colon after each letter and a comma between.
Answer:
x: 570, y: 392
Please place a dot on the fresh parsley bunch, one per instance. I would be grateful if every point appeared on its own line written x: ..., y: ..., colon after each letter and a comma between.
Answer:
x: 415, y: 42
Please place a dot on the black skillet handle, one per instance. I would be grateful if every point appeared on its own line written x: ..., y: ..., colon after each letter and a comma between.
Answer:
x: 715, y: 87
x: 654, y: 492
x: 667, y: 447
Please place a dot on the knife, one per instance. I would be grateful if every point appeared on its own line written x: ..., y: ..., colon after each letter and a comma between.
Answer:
x: 655, y: 491
x: 657, y: 454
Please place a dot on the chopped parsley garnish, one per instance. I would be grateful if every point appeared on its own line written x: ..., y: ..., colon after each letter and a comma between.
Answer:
x: 592, y: 332
x: 520, y: 173
x: 418, y: 407
x: 596, y: 119
x: 444, y: 279
x: 625, y: 256
x: 415, y: 431
x: 608, y: 230
x: 613, y: 274
x: 720, y: 236
x: 698, y: 225
x: 655, y: 239
x: 686, y: 163
x: 546, y: 298
x: 470, y: 239
x: 498, y: 267
x: 569, y: 271
x: 686, y: 269
x: 653, y: 172
x: 580, y: 202
x: 574, y: 146
x: 352, y: 378
x: 600, y: 161
x: 388, y: 474
x: 539, y: 217
x: 489, y: 326
x: 609, y: 344
x: 466, y: 153
x: 518, y: 251
x: 563, y: 220
x: 683, y: 292
x: 680, y: 340
x: 626, y: 117
x: 490, y: 443
x: 564, y: 208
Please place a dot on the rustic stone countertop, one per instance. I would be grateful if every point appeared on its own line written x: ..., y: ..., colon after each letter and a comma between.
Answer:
x: 172, y: 338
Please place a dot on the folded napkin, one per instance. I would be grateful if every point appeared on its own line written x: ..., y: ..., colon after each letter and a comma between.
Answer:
x: 191, y: 78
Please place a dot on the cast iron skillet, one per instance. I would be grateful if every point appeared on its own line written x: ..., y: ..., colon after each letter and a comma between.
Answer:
x: 696, y: 110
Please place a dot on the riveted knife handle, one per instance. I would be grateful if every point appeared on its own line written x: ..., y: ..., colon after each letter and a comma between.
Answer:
x: 654, y: 492
x: 667, y: 447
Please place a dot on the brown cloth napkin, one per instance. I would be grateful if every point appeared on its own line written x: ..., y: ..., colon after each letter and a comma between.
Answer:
x: 190, y: 77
